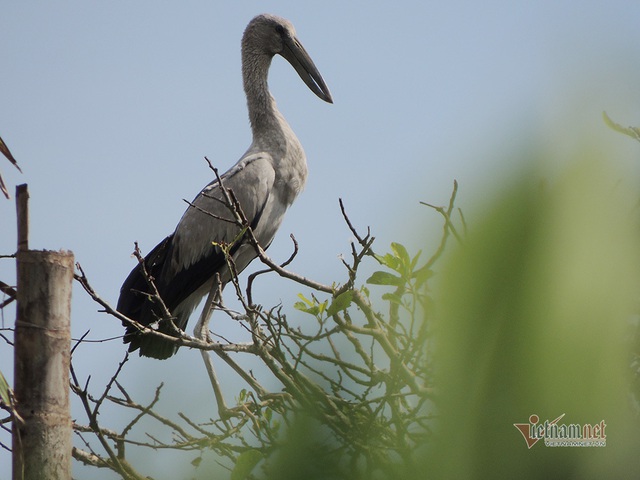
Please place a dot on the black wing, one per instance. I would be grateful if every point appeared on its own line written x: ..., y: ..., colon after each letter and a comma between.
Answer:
x: 134, y: 301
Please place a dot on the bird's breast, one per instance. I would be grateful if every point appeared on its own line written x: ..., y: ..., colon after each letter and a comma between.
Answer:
x: 291, y: 174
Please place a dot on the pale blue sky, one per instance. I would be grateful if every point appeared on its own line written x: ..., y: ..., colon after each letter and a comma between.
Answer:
x: 109, y: 108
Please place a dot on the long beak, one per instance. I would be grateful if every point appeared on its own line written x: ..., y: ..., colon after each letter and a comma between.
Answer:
x: 299, y: 59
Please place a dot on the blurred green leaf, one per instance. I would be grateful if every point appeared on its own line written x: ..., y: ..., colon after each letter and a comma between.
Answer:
x: 246, y: 462
x: 303, y: 307
x: 312, y: 307
x: 393, y: 298
x: 340, y: 303
x: 422, y: 275
x: 401, y: 252
x: 305, y: 300
x: 389, y: 260
x: 533, y: 311
x: 307, y: 453
x: 414, y: 260
x: 242, y: 396
x: 385, y: 278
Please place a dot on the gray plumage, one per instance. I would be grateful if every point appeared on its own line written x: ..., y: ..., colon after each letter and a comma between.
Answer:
x: 266, y: 180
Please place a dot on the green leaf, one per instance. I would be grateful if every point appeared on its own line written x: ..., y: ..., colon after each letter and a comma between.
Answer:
x: 322, y: 307
x: 305, y: 300
x: 340, y: 303
x: 312, y: 307
x: 401, y: 253
x: 275, y: 426
x: 393, y: 298
x: 301, y: 306
x: 414, y: 261
x: 422, y: 275
x: 389, y: 260
x: 242, y: 396
x: 246, y: 462
x: 385, y: 278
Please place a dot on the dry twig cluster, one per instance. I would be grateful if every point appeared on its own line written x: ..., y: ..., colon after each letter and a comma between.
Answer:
x: 361, y: 374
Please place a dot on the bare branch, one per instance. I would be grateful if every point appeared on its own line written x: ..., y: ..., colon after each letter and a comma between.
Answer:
x: 363, y: 374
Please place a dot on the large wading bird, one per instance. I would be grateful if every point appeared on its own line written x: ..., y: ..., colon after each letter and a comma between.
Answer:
x: 266, y: 180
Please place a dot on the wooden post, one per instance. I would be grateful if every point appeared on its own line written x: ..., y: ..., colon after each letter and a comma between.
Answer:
x: 42, y: 434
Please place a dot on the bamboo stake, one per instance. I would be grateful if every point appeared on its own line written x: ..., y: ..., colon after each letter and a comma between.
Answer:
x: 42, y: 429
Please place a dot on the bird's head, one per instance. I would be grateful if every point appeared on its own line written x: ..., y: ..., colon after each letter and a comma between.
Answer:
x: 271, y: 35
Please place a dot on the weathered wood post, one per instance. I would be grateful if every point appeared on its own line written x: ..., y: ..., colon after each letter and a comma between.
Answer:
x: 42, y: 435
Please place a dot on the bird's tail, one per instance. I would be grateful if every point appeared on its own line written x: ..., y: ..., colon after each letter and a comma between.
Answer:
x: 134, y: 303
x: 150, y: 345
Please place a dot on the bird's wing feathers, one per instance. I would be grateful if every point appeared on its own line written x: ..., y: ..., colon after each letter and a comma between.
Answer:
x: 193, y: 257
x: 250, y: 180
x: 188, y: 258
x: 131, y: 301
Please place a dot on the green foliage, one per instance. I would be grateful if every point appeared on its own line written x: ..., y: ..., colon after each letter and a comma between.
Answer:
x: 375, y: 366
x: 385, y: 278
x: 534, y: 318
x: 407, y: 277
x: 535, y: 313
x: 340, y: 303
x: 311, y: 306
x: 406, y: 267
x: 308, y: 453
x: 245, y: 463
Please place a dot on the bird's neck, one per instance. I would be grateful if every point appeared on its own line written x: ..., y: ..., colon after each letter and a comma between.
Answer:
x: 267, y: 123
x: 271, y: 132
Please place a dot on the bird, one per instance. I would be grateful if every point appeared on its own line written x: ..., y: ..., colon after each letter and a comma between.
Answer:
x: 265, y: 180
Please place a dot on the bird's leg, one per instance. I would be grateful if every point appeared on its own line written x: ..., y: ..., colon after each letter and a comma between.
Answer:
x: 201, y: 331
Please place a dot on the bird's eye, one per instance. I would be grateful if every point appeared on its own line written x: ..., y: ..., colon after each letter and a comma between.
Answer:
x: 280, y: 29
